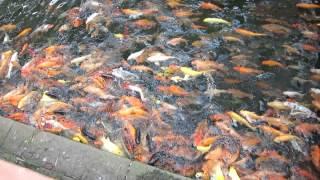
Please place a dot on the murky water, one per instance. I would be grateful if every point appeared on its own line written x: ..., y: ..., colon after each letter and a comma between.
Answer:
x: 180, y: 115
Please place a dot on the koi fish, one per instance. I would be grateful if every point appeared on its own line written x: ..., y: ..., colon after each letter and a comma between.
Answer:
x: 13, y: 62
x: 141, y: 68
x: 307, y: 6
x: 190, y: 72
x: 278, y: 105
x: 272, y: 63
x: 248, y: 33
x: 109, y: 146
x: 209, y: 6
x: 236, y: 117
x: 207, y: 65
x: 8, y: 27
x: 276, y: 29
x: 315, y: 71
x: 233, y: 39
x: 174, y: 90
x: 299, y: 109
x: 247, y: 70
x: 285, y: 138
x: 157, y: 57
x: 177, y: 41
x: 98, y: 92
x: 293, y: 94
x: 216, y: 21
x: 239, y: 94
x: 132, y: 112
x: 144, y: 24
x: 5, y: 62
x: 250, y: 116
x: 270, y: 130
x: 24, y: 33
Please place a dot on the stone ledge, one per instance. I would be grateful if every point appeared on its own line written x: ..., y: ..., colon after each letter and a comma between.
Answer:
x: 62, y: 158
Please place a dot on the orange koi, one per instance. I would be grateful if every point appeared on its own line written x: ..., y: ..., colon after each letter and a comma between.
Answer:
x: 206, y: 65
x: 246, y: 70
x: 315, y: 156
x: 173, y: 3
x: 248, y: 33
x: 8, y: 27
x: 307, y: 129
x: 24, y: 49
x: 173, y: 90
x: 199, y: 133
x: 310, y: 48
x: 183, y: 13
x: 209, y: 6
x: 77, y: 22
x: 270, y: 130
x: 19, y: 116
x: 24, y: 33
x: 219, y: 117
x: 133, y: 101
x: 307, y: 6
x: 272, y: 63
x: 144, y: 24
x: 273, y: 154
x: 132, y: 113
x: 177, y: 41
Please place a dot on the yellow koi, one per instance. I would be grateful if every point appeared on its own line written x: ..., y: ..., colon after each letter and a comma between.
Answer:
x: 236, y: 117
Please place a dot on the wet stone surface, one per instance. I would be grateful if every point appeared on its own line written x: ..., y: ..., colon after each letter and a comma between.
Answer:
x: 61, y: 158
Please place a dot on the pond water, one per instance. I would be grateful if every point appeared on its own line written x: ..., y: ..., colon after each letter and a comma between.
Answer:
x: 163, y: 82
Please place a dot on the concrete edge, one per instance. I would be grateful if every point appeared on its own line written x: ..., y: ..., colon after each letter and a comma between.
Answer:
x: 61, y: 158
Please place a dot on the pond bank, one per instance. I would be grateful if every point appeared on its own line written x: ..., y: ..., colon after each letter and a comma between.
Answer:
x: 61, y: 158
